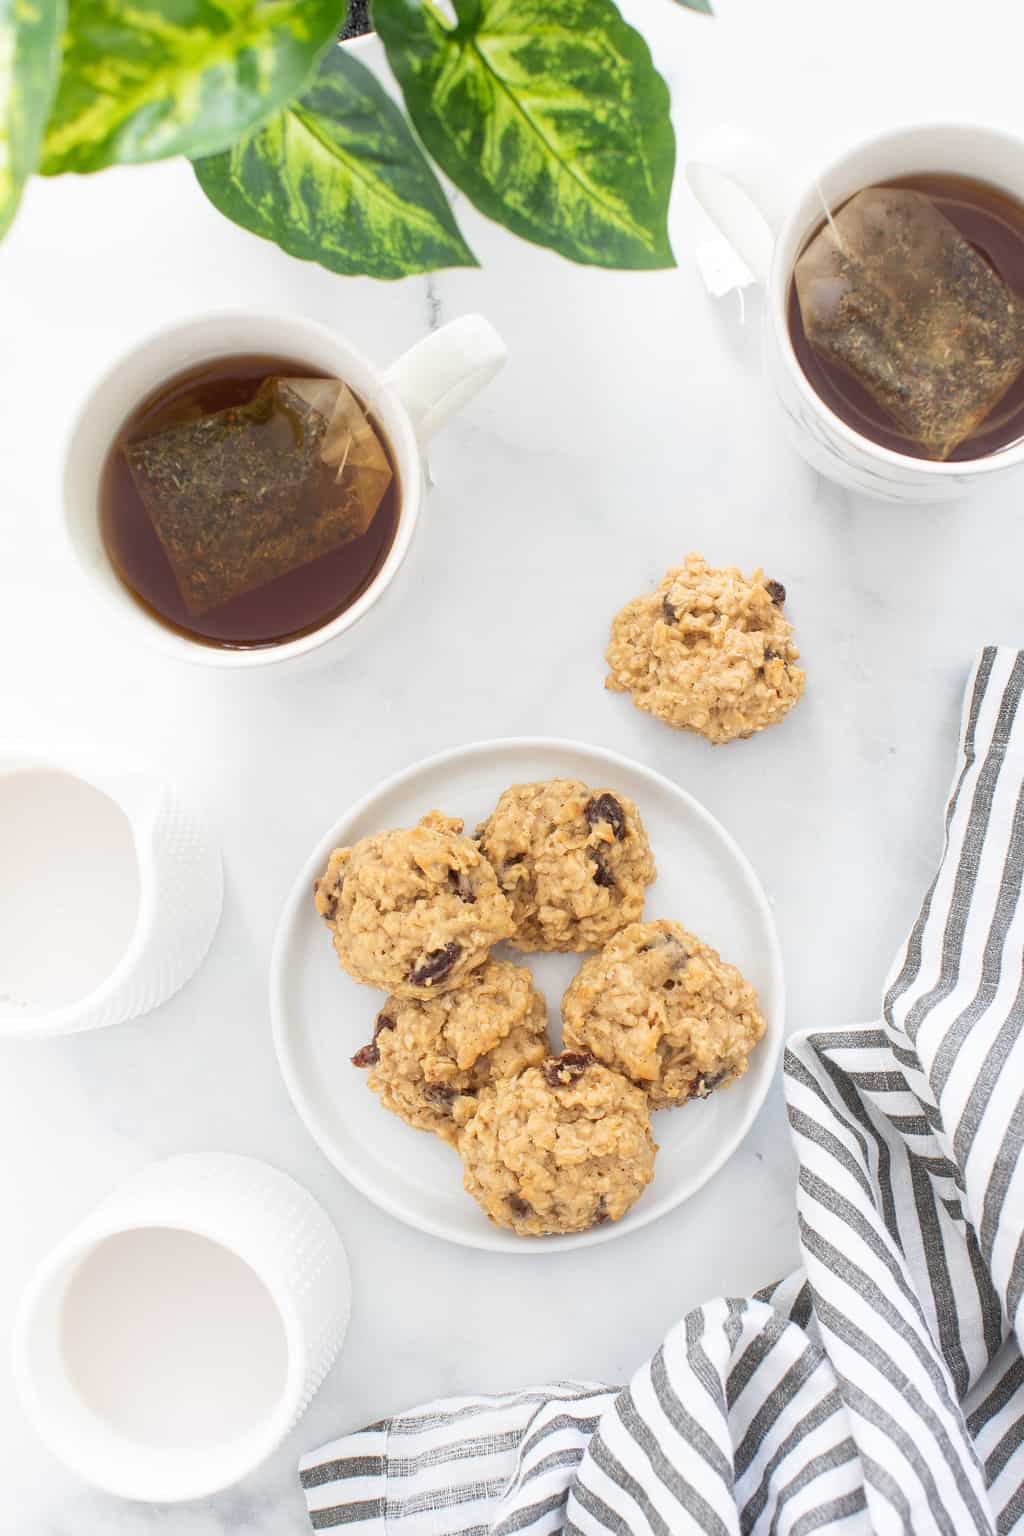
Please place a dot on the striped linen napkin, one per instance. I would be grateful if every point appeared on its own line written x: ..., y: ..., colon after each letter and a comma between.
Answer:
x: 881, y: 1388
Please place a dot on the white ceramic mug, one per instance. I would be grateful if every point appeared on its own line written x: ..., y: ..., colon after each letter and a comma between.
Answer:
x: 767, y: 214
x: 411, y: 400
x: 110, y: 891
x: 167, y: 1345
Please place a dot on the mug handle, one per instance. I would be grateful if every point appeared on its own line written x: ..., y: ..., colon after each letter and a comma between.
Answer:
x: 437, y: 376
x: 739, y: 184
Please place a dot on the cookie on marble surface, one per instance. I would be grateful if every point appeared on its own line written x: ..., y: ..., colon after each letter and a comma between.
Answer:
x: 573, y: 862
x: 663, y: 1008
x: 413, y: 911
x: 430, y: 1058
x: 708, y: 651
x: 562, y: 1147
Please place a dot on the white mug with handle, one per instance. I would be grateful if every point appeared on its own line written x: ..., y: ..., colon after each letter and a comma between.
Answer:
x: 767, y: 215
x: 412, y: 399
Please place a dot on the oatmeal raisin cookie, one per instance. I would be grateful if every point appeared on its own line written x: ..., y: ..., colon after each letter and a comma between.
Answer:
x: 664, y: 1009
x: 708, y: 651
x: 560, y: 1148
x: 573, y: 862
x: 429, y: 1058
x: 415, y: 911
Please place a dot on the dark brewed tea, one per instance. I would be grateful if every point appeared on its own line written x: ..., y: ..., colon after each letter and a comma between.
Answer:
x: 992, y: 223
x: 230, y: 389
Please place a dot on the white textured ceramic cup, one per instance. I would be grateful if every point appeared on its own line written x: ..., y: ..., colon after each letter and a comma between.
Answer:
x: 767, y: 213
x: 412, y: 399
x: 261, y: 1218
x: 179, y: 894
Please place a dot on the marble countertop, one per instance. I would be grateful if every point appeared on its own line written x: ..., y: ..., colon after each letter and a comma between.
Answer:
x: 629, y: 426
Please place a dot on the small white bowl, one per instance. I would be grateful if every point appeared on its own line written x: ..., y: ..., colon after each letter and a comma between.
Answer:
x: 268, y: 1238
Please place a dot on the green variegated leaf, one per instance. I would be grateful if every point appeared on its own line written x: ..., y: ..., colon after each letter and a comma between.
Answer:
x: 697, y: 5
x: 29, y: 58
x: 338, y: 178
x: 144, y: 79
x: 548, y: 114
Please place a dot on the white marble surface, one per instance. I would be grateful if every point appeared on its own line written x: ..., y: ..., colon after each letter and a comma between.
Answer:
x: 629, y: 426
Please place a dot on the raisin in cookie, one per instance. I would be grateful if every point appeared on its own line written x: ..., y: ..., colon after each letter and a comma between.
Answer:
x: 560, y: 1148
x: 413, y: 912
x: 709, y: 651
x: 664, y: 1009
x: 430, y: 1058
x: 573, y: 862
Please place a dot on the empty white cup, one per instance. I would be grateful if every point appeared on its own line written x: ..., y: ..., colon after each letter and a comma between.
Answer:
x: 167, y: 1346
x: 110, y: 891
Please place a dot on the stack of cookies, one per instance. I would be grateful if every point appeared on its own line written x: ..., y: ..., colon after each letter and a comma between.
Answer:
x: 460, y: 1048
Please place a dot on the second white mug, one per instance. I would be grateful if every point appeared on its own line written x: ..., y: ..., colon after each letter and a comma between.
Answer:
x: 767, y: 213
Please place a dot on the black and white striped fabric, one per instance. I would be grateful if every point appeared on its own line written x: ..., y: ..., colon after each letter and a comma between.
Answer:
x: 881, y: 1389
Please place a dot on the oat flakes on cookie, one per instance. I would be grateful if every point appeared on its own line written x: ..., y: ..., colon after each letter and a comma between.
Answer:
x: 573, y: 862
x: 414, y: 911
x: 663, y: 1008
x: 560, y: 1148
x: 430, y: 1058
x: 708, y: 651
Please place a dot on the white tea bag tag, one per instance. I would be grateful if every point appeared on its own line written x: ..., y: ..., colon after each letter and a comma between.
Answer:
x: 721, y: 268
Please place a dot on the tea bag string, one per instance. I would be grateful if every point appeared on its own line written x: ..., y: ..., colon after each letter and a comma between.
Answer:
x: 830, y: 221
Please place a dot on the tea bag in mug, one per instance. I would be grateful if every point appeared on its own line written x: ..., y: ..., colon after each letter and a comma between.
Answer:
x: 244, y: 495
x: 893, y: 294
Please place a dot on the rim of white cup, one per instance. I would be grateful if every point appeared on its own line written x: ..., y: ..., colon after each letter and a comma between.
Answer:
x: 65, y: 1018
x: 68, y: 1254
x: 780, y: 279
x: 406, y: 453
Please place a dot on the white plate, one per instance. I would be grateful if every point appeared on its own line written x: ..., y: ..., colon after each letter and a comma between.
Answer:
x: 321, y: 1017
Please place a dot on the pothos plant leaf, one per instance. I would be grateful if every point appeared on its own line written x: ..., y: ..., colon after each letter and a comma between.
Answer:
x: 337, y: 177
x: 29, y: 59
x: 548, y: 114
x: 144, y: 79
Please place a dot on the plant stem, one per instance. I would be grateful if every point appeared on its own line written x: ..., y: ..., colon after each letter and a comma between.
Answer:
x: 357, y: 21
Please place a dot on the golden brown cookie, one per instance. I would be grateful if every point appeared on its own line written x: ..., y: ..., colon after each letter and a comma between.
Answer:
x: 708, y: 651
x: 415, y: 911
x: 430, y: 1058
x: 573, y: 862
x: 560, y: 1148
x: 664, y: 1009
